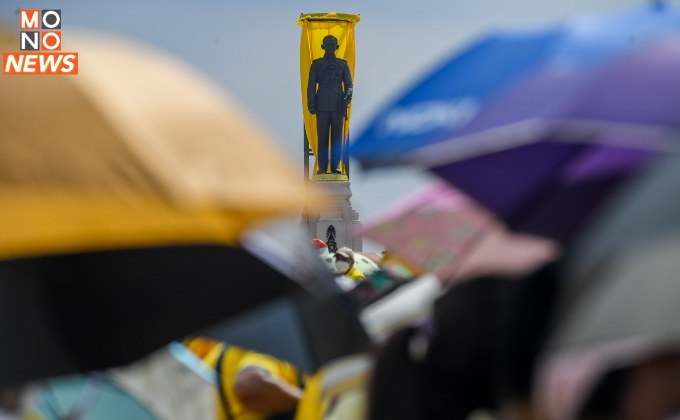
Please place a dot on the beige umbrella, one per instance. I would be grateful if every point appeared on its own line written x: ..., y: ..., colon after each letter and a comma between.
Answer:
x: 136, y: 149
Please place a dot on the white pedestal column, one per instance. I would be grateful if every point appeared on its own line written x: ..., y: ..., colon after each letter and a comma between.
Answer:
x: 333, y: 220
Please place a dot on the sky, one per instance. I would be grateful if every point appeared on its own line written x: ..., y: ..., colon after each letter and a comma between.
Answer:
x: 251, y: 50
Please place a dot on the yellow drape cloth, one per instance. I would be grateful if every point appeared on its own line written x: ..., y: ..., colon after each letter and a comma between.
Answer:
x: 315, y: 26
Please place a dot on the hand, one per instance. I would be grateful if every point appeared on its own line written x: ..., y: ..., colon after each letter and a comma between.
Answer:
x: 346, y: 100
x: 312, y: 111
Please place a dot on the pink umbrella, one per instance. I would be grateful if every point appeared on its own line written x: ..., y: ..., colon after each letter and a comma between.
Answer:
x: 440, y: 230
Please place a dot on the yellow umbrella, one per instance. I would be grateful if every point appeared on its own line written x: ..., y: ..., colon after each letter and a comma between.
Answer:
x: 137, y: 149
x: 123, y: 193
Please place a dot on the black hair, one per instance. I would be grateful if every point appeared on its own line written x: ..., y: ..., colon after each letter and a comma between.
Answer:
x: 394, y: 390
x: 524, y: 326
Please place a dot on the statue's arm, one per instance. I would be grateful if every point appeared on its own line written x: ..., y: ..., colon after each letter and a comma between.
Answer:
x: 311, y: 89
x: 349, y: 87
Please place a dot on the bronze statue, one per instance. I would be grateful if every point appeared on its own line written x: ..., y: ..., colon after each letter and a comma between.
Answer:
x: 329, y: 102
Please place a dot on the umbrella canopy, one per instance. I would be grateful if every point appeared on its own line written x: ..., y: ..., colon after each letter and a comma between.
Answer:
x: 439, y: 230
x: 99, y: 309
x: 553, y: 174
x: 568, y: 139
x: 136, y: 150
x: 619, y: 303
x: 431, y: 229
x: 436, y: 108
x: 124, y: 193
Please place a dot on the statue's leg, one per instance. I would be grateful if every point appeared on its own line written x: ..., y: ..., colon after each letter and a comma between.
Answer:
x: 337, y: 118
x: 323, y: 122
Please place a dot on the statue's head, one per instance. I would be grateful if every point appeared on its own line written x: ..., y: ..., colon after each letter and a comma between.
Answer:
x: 329, y: 44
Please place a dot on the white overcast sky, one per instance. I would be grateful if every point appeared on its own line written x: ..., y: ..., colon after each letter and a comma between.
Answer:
x: 251, y: 49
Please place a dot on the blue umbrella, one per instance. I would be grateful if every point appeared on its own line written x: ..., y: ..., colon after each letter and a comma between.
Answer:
x: 443, y: 103
x: 547, y: 154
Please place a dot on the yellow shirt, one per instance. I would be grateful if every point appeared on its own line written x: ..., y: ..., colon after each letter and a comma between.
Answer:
x: 206, y: 349
x: 234, y: 361
x: 355, y: 274
x: 336, y: 390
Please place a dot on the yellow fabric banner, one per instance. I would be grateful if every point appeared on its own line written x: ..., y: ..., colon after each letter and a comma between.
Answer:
x: 315, y: 26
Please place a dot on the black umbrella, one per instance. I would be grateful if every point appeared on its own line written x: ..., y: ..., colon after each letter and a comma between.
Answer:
x: 85, y: 311
x: 92, y: 310
x: 308, y: 331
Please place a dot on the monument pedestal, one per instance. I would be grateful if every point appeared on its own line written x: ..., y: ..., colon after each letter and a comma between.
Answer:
x: 333, y: 220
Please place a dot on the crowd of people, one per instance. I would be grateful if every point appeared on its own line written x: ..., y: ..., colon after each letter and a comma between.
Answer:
x: 487, y: 347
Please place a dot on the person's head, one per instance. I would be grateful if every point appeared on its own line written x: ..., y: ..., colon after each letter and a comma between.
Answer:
x: 344, y: 260
x: 329, y: 44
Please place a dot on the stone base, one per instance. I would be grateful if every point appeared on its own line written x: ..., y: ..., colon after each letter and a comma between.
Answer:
x: 329, y: 177
x: 334, y: 220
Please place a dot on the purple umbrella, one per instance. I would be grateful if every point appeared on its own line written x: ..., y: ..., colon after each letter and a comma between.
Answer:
x: 546, y: 154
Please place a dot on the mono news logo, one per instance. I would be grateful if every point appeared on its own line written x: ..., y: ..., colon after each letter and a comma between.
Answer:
x: 40, y: 46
